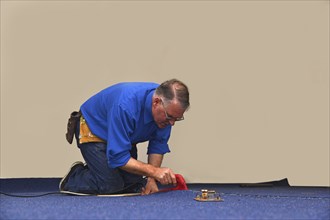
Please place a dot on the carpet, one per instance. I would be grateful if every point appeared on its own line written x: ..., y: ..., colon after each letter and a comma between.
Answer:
x: 241, y: 201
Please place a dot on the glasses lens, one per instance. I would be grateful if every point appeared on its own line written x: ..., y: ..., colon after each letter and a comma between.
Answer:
x: 169, y: 118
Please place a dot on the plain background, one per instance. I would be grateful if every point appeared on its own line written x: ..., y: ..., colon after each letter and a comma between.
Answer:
x: 258, y: 73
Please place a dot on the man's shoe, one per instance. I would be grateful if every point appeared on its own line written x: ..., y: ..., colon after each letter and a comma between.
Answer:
x: 64, y: 180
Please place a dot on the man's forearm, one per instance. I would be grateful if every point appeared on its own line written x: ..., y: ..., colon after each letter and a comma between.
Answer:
x: 155, y: 159
x: 162, y: 174
x: 140, y: 168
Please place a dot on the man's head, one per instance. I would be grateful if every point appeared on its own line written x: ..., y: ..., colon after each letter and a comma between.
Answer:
x: 170, y: 101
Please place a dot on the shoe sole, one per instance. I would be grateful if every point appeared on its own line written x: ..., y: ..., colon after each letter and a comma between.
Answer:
x: 69, y: 172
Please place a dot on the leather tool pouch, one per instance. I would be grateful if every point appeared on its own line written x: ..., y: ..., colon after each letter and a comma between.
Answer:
x: 72, y: 124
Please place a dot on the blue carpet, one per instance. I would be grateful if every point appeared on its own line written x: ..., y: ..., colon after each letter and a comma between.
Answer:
x: 277, y: 202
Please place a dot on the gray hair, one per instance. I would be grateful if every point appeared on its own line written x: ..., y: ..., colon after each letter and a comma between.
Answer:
x: 174, y: 90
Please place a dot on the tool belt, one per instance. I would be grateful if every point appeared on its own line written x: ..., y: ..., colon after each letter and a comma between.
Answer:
x: 85, y: 134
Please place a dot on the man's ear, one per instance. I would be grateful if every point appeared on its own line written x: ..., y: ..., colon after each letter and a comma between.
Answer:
x: 156, y: 100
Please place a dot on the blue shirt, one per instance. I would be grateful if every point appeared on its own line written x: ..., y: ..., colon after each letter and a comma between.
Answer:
x: 121, y: 115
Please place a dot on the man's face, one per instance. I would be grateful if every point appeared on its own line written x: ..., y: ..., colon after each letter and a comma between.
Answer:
x: 165, y: 115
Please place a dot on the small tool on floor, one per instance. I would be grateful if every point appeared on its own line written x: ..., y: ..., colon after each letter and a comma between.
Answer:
x: 206, y: 195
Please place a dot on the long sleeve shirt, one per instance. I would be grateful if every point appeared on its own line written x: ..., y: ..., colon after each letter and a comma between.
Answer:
x: 121, y: 115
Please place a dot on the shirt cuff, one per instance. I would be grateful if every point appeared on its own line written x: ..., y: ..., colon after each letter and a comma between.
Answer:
x: 119, y: 160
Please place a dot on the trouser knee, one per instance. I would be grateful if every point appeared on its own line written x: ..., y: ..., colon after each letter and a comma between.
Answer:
x: 110, y: 185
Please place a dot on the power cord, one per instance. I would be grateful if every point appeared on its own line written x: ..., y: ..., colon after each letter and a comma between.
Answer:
x: 59, y: 192
x: 30, y: 196
x: 267, y: 196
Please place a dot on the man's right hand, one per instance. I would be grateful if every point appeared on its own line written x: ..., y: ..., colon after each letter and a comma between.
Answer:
x: 165, y: 176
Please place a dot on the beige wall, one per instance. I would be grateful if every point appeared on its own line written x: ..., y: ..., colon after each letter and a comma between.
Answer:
x: 258, y: 72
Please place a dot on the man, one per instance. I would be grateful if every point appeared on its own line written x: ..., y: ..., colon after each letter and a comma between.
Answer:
x: 110, y: 125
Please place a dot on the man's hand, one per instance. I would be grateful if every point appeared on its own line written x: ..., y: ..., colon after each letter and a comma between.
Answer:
x: 165, y: 176
x: 151, y: 187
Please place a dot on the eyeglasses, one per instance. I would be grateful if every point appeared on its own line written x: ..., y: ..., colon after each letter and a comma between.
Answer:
x: 168, y: 117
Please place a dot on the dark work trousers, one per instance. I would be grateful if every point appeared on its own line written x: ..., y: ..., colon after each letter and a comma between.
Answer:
x: 97, y: 177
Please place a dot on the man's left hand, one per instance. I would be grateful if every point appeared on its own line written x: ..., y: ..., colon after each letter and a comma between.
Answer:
x: 151, y: 187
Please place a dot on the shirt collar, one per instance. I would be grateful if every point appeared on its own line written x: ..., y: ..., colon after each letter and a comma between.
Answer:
x: 147, y: 109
